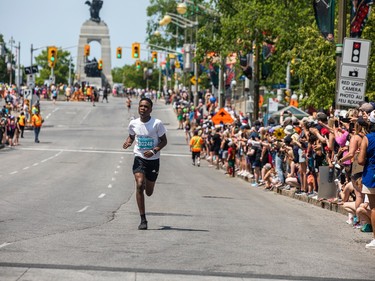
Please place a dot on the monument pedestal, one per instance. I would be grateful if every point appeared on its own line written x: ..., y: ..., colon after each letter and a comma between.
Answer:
x: 99, y: 32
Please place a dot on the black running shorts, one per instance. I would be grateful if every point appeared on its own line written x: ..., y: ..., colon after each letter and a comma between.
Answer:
x: 150, y: 168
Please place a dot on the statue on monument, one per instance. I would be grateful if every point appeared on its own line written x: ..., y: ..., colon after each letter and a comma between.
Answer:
x: 95, y: 6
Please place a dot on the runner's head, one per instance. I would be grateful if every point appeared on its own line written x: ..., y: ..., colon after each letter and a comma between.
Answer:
x: 148, y: 100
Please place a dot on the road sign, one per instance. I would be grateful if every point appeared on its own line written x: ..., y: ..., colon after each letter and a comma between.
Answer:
x: 31, y: 81
x: 31, y: 69
x: 353, y: 72
x: 222, y: 115
x: 356, y: 51
x: 351, y: 92
x: 193, y: 80
x: 27, y: 94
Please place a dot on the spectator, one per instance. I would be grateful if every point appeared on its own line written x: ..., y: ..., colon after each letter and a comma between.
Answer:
x: 366, y: 157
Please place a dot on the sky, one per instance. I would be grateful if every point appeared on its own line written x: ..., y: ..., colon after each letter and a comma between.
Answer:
x: 58, y: 23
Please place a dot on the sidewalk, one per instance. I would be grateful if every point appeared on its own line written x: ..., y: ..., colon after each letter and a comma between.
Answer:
x: 323, y: 203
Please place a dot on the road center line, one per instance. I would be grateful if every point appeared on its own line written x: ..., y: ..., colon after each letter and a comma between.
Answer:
x: 26, y: 168
x: 12, y: 173
x: 101, y: 195
x: 110, y: 186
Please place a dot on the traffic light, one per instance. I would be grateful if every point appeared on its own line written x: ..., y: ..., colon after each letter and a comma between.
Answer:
x: 154, y: 56
x: 52, y: 56
x: 136, y: 49
x: 100, y: 64
x: 138, y: 64
x: 87, y: 50
x: 356, y: 51
x: 287, y: 96
x: 119, y: 53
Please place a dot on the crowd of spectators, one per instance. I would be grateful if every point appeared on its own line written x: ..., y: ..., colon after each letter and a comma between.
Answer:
x: 288, y: 153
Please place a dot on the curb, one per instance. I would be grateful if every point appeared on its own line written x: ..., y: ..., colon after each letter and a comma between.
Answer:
x: 322, y: 203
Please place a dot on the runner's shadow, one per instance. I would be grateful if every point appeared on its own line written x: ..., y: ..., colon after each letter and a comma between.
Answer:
x: 181, y: 229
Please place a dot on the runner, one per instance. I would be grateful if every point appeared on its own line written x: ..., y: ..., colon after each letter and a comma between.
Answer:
x: 150, y: 137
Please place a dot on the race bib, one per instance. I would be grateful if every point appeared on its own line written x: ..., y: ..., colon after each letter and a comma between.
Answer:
x: 145, y: 143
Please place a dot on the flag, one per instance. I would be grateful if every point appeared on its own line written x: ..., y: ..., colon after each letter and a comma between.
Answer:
x: 360, y: 10
x: 325, y: 17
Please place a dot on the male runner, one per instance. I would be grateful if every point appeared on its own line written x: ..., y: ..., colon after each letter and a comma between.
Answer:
x: 150, y: 137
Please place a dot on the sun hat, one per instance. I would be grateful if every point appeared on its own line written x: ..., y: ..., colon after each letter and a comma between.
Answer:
x: 289, y: 130
x: 367, y: 107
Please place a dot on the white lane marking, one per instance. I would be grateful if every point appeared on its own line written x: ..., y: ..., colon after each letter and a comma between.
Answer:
x: 12, y: 173
x: 26, y: 168
x: 120, y: 162
x: 35, y: 164
x: 4, y: 245
x: 122, y: 157
x: 45, y: 160
x: 118, y: 167
x: 83, y: 209
x: 110, y: 186
x: 113, y: 179
x: 116, y: 172
x: 48, y: 116
x: 101, y: 195
x: 100, y: 151
x: 87, y: 114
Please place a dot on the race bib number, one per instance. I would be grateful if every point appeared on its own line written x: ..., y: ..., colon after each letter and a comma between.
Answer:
x: 145, y: 143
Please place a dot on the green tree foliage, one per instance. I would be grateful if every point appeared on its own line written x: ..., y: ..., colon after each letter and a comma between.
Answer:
x: 61, y: 70
x: 135, y: 78
x: 4, y: 73
x: 369, y: 33
x: 289, y: 25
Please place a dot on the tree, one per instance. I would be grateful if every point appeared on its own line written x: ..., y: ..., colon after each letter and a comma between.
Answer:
x: 4, y: 73
x: 61, y: 70
x: 134, y: 78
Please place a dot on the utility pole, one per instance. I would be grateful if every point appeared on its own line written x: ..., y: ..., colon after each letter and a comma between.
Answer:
x: 256, y: 81
x: 18, y: 82
x: 341, y: 33
x: 11, y: 60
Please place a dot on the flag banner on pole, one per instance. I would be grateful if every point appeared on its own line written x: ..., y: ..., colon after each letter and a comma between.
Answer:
x: 325, y: 17
x: 360, y: 11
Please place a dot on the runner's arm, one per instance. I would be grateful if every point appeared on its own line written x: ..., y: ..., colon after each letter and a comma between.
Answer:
x: 128, y: 142
x: 162, y: 143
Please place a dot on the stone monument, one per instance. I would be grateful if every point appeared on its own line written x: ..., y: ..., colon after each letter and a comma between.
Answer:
x: 97, y: 30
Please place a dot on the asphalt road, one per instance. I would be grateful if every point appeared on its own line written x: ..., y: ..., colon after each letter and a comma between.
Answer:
x: 68, y: 212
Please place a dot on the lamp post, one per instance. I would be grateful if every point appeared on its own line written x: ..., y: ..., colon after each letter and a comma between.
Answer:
x: 181, y: 9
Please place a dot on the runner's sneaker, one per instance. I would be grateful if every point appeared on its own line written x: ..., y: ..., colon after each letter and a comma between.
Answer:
x: 371, y: 245
x: 193, y: 164
x: 143, y: 225
x: 198, y: 164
